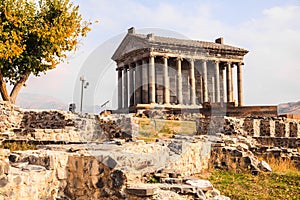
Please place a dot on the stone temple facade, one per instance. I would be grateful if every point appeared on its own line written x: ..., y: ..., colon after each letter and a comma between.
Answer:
x: 155, y: 71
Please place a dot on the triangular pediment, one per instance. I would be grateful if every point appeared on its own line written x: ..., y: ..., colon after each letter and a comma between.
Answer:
x: 128, y: 44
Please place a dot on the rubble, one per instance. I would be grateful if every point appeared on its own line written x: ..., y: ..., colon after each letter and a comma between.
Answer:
x: 101, y: 157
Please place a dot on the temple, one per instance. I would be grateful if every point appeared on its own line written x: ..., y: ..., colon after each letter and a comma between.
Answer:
x: 155, y: 71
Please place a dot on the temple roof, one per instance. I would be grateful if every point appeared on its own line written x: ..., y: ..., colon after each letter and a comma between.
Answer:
x: 158, y: 40
x: 134, y: 41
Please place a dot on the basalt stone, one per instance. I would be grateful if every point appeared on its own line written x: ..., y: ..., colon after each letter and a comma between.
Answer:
x: 118, y: 178
x: 120, y: 195
x: 109, y: 162
x: 100, y: 183
x: 105, y: 193
x: 3, y: 181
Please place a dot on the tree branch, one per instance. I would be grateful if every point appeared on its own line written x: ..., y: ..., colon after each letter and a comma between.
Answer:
x: 3, y: 89
x: 17, y: 87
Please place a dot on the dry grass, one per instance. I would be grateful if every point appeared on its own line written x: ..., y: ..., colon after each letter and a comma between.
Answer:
x: 282, y: 165
x: 282, y: 183
x: 159, y: 128
x: 272, y: 186
x: 18, y: 146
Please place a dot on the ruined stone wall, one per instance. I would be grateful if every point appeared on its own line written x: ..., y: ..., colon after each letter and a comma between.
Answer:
x: 94, y: 171
x: 56, y: 174
x: 188, y: 156
x: 10, y: 116
x: 257, y: 127
x: 62, y: 126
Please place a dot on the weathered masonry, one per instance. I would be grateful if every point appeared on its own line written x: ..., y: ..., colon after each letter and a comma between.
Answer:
x: 176, y: 73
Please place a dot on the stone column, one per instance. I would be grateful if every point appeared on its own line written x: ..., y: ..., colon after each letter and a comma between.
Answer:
x: 131, y: 85
x: 152, y: 79
x: 125, y: 88
x: 179, y: 81
x: 231, y: 85
x: 217, y: 81
x: 137, y: 83
x: 240, y: 84
x: 213, y: 96
x: 201, y: 88
x: 204, y: 74
x: 120, y: 91
x: 229, y: 82
x: 193, y: 85
x: 145, y: 82
x: 166, y: 81
x: 222, y: 72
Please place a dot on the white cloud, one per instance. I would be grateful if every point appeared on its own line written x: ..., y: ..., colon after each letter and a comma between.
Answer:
x: 273, y: 62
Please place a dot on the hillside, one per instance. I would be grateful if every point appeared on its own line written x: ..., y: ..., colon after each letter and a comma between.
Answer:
x: 44, y: 102
x: 291, y: 107
x: 37, y: 101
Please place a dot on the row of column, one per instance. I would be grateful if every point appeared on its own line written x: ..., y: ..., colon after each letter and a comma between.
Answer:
x: 133, y: 85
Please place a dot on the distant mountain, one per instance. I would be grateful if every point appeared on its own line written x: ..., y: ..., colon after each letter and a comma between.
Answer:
x: 44, y: 102
x: 37, y: 101
x: 291, y: 107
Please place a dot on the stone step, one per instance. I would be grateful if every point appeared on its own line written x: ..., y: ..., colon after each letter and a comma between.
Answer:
x: 171, y: 180
x: 140, y: 191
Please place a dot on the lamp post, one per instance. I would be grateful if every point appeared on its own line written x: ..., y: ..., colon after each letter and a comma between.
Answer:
x: 84, y: 85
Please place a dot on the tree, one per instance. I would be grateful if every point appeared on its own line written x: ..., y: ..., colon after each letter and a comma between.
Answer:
x: 35, y: 36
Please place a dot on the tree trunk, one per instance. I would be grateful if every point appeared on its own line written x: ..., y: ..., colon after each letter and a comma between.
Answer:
x: 17, y: 87
x: 3, y: 89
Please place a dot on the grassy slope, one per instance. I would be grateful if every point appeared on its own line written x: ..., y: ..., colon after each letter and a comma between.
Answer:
x: 273, y: 186
x: 282, y: 184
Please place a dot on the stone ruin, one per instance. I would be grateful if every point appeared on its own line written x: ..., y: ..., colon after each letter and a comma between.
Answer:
x: 84, y: 156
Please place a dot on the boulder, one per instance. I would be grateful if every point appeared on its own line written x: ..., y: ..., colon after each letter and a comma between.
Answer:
x: 264, y: 166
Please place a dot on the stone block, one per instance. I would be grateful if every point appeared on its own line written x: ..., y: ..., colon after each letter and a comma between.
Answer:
x: 3, y: 181
x: 4, y: 167
x: 94, y: 167
x: 256, y: 127
x: 118, y: 178
x: 109, y: 162
x: 293, y: 129
x: 61, y: 174
x: 171, y: 180
x: 140, y: 191
x: 36, y: 168
x: 204, y: 185
x: 272, y: 128
x: 265, y: 127
x: 280, y: 129
x: 262, y: 165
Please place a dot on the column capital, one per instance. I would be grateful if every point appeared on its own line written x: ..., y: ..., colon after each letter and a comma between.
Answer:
x: 121, y: 64
x: 125, y: 68
x: 240, y: 64
x: 165, y: 56
x: 191, y: 59
x: 179, y: 58
x: 204, y: 60
x: 229, y: 63
x: 216, y: 61
x: 152, y: 54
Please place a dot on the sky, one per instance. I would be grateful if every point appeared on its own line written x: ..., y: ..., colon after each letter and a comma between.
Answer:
x: 269, y: 29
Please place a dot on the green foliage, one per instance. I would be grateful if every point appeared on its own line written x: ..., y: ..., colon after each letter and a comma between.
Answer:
x: 153, y: 180
x: 35, y: 36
